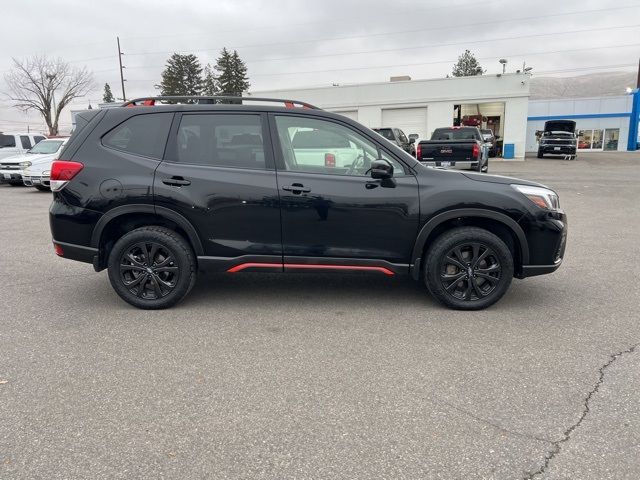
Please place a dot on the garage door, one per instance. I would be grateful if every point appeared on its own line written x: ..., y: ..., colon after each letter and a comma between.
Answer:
x: 409, y: 120
x: 352, y: 114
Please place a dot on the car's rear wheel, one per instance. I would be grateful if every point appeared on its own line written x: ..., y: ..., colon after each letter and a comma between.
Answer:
x: 468, y: 268
x: 152, y: 268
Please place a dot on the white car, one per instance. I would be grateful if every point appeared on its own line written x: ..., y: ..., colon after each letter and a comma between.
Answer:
x: 17, y: 143
x: 36, y: 163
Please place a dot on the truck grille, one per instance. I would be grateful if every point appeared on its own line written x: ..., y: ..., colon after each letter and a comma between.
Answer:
x: 9, y: 166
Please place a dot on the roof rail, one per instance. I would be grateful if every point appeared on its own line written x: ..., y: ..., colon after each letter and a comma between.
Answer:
x: 214, y: 99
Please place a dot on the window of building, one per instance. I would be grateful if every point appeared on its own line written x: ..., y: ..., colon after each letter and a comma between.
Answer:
x: 611, y: 138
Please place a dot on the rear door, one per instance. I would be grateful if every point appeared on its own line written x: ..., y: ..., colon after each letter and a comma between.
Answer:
x: 219, y: 174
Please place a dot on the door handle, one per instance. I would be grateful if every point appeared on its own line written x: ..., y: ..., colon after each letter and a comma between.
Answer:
x: 371, y: 185
x: 296, y: 188
x: 176, y: 182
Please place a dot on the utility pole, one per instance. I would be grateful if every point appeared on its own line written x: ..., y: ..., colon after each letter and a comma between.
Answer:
x: 124, y: 97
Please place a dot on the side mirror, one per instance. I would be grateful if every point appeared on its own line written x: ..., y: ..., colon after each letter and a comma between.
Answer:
x: 381, y: 169
x: 413, y: 137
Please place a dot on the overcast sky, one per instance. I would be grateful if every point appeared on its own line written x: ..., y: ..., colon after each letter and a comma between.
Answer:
x: 288, y: 43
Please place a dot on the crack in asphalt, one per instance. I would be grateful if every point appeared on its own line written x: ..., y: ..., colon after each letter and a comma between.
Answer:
x: 557, y: 445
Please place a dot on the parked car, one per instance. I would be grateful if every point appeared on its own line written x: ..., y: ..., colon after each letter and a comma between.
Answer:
x: 17, y: 143
x: 157, y: 194
x: 558, y: 138
x: 397, y: 136
x: 36, y: 163
x: 455, y: 147
x: 492, y: 140
x: 315, y: 148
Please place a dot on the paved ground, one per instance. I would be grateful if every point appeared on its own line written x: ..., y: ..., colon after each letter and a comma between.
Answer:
x: 267, y: 376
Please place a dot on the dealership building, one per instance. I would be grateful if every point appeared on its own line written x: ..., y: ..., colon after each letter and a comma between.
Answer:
x: 499, y: 102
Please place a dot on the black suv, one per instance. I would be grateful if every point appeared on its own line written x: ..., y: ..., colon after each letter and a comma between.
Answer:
x: 156, y: 193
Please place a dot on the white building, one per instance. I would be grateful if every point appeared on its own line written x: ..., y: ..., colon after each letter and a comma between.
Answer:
x: 420, y: 106
x: 602, y: 123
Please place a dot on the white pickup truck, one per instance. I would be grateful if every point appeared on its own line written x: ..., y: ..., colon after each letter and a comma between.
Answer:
x: 36, y: 163
x: 322, y: 148
x: 12, y: 146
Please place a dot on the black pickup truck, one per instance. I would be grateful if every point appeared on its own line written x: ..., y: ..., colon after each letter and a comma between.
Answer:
x: 397, y: 136
x: 455, y: 147
x: 558, y: 138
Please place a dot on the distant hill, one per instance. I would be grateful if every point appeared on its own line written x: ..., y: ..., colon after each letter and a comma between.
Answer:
x: 591, y: 85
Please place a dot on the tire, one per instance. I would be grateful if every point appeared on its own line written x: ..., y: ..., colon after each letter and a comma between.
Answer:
x: 16, y: 184
x: 540, y: 155
x: 485, y: 167
x: 457, y: 291
x: 160, y: 282
x: 42, y: 188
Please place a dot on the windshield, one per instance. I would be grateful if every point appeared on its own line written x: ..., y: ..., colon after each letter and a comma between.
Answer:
x: 7, y: 141
x: 46, y: 147
x: 386, y: 133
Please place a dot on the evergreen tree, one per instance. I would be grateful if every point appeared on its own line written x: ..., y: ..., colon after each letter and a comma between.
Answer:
x: 181, y: 76
x: 210, y: 83
x: 232, y: 78
x: 467, y: 66
x: 107, y: 96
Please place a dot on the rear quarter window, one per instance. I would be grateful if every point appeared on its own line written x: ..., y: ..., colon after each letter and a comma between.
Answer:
x: 144, y: 135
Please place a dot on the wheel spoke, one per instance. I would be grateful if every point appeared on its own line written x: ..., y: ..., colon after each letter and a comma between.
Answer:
x: 452, y: 280
x: 482, y: 256
x: 467, y: 293
x: 488, y: 277
x: 165, y: 262
x: 133, y: 260
x: 476, y: 288
x: 458, y: 253
x: 492, y: 269
x: 127, y: 267
x: 153, y: 253
x: 140, y: 279
x: 453, y: 261
x: 475, y: 248
x: 156, y: 286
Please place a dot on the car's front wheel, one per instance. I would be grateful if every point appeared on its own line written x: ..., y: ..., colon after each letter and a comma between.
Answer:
x: 468, y: 268
x: 152, y: 268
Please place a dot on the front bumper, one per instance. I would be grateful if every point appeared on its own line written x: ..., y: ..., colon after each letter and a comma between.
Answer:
x: 552, y: 149
x: 7, y: 176
x: 36, y: 180
x: 547, y: 239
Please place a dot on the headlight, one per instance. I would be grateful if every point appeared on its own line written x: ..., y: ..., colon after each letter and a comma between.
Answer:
x: 542, y: 197
x: 24, y: 164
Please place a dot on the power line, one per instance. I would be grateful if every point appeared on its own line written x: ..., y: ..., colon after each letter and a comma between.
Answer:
x: 419, y: 30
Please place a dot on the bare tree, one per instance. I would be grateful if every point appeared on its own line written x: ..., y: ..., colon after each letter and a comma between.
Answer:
x: 47, y: 86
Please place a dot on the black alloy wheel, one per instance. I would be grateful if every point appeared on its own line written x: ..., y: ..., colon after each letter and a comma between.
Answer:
x: 468, y: 268
x: 148, y: 270
x: 152, y: 267
x: 470, y: 271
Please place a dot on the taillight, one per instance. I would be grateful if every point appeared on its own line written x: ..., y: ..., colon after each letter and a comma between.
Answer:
x: 58, y: 249
x: 418, y: 151
x: 62, y: 171
x: 329, y: 160
x: 476, y: 151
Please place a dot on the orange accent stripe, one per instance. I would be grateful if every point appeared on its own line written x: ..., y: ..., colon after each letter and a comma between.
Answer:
x: 243, y: 266
x: 363, y: 268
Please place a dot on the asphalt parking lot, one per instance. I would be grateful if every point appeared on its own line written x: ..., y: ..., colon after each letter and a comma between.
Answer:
x: 327, y: 376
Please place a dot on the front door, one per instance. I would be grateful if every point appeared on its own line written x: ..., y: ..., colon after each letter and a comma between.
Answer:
x: 331, y: 208
x: 219, y: 175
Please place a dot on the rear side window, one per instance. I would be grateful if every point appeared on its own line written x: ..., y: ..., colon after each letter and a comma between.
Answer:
x: 26, y: 142
x: 141, y: 135
x: 221, y: 140
x: 7, y: 141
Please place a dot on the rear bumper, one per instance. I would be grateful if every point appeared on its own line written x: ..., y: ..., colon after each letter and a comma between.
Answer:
x: 7, y: 176
x: 534, y: 270
x: 34, y: 180
x: 75, y: 252
x: 464, y: 165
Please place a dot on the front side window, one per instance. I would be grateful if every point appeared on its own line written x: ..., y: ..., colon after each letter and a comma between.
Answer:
x: 26, y: 142
x: 311, y: 145
x: 141, y: 135
x: 221, y: 140
x: 7, y: 141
